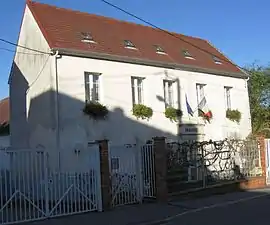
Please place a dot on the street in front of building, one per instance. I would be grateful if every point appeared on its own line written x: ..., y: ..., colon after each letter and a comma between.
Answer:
x: 249, y: 210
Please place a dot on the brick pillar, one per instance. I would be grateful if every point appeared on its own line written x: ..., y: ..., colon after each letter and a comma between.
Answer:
x: 160, y: 153
x: 262, y: 146
x: 105, y: 175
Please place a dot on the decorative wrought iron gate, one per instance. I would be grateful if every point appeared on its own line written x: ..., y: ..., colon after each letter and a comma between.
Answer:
x: 148, y: 171
x: 125, y: 174
x: 30, y: 190
x: 132, y: 173
x: 193, y: 165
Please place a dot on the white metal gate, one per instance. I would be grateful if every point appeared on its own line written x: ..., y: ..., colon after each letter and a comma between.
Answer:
x: 148, y: 171
x: 132, y: 173
x: 30, y: 190
x: 267, y: 152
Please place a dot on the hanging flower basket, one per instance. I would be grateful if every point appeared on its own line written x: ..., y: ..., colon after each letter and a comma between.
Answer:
x: 208, y: 116
x: 233, y: 115
x: 173, y: 114
x: 96, y: 110
x: 142, y: 111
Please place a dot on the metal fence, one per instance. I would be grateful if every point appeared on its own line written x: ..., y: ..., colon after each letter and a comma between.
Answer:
x: 148, y: 171
x: 201, y: 164
x: 132, y: 173
x: 30, y: 190
x: 124, y: 174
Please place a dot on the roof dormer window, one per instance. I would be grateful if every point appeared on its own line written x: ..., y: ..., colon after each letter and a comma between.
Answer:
x: 217, y: 60
x: 129, y: 44
x: 160, y: 50
x: 87, y: 37
x: 187, y: 55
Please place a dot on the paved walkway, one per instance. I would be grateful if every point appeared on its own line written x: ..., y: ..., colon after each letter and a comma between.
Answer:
x: 126, y: 215
x: 177, y: 212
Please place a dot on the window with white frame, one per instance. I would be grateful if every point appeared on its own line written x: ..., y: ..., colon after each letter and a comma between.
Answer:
x: 168, y: 93
x: 227, y: 92
x: 137, y: 90
x: 200, y: 92
x: 92, y: 87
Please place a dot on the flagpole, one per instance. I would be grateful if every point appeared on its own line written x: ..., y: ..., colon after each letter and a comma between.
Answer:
x: 189, y: 110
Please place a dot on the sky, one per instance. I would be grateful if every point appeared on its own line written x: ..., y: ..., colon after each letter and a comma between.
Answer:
x: 239, y: 28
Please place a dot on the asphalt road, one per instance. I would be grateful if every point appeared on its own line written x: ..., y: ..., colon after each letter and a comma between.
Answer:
x: 247, y: 212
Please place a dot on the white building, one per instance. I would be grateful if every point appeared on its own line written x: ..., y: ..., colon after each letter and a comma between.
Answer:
x: 118, y: 64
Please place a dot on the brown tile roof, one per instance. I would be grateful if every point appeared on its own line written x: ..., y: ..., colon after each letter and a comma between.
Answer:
x: 4, y: 111
x: 62, y: 29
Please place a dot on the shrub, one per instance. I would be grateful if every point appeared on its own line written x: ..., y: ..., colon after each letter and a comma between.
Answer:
x: 96, y: 110
x: 173, y: 114
x: 141, y: 111
x: 233, y: 115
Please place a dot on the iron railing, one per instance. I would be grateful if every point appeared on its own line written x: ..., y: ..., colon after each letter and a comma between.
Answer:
x: 30, y: 190
x: 132, y: 173
x: 200, y: 164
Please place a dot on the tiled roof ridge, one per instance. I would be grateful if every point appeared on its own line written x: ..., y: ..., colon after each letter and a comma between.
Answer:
x: 4, y: 111
x: 59, y: 28
x: 4, y: 99
x: 113, y: 19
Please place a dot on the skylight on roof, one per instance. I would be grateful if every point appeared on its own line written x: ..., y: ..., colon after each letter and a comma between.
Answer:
x: 129, y: 44
x: 187, y: 54
x: 217, y: 60
x: 159, y: 50
x: 87, y: 37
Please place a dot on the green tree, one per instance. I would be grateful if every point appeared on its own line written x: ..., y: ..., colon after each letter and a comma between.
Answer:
x: 259, y: 97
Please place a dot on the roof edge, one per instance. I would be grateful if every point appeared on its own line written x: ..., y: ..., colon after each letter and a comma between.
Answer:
x: 4, y: 99
x: 42, y: 29
x: 18, y: 38
x: 112, y: 18
x: 104, y: 56
x: 242, y: 70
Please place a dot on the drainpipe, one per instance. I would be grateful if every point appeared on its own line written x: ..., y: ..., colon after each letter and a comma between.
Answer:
x: 249, y: 113
x: 179, y: 123
x: 57, y: 118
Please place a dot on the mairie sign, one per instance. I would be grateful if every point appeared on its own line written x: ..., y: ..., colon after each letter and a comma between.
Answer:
x: 191, y: 129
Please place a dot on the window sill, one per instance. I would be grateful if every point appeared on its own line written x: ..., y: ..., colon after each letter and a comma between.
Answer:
x: 132, y: 48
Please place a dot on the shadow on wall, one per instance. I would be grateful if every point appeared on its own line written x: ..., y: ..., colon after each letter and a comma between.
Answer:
x: 18, y: 108
x: 39, y: 125
x: 75, y: 127
x: 36, y: 122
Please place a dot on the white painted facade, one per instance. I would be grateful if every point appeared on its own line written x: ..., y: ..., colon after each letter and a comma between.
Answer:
x: 36, y: 124
x: 32, y: 75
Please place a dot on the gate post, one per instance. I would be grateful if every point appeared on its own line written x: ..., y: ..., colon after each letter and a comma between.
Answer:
x: 139, y: 178
x: 105, y: 174
x: 160, y: 157
x: 262, y: 150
